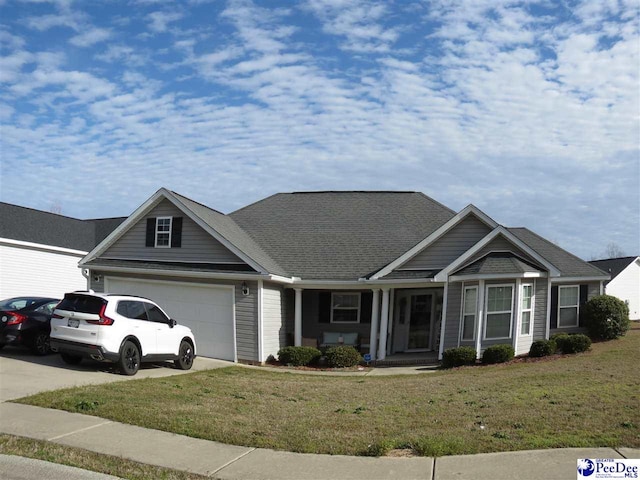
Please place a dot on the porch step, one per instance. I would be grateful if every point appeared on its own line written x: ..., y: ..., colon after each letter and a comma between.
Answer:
x: 430, y: 362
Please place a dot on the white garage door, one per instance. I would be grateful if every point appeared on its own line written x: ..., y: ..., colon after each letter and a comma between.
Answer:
x: 207, y: 310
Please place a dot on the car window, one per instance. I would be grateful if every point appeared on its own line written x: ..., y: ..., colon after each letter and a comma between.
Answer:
x: 155, y: 314
x: 47, y: 308
x: 14, y: 304
x: 81, y: 303
x: 132, y: 309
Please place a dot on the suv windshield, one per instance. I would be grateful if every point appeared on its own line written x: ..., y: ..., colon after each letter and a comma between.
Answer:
x: 81, y: 303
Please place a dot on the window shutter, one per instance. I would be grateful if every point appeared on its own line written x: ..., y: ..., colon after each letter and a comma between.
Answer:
x: 365, y: 307
x: 151, y: 232
x: 324, y: 307
x: 176, y: 232
x: 584, y: 293
x: 554, y: 308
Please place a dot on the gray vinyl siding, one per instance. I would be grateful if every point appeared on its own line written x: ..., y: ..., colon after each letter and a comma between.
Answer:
x: 246, y: 308
x: 273, y: 319
x: 500, y: 244
x: 452, y: 324
x: 450, y: 246
x: 96, y: 281
x: 247, y: 321
x: 540, y: 309
x: 197, y: 244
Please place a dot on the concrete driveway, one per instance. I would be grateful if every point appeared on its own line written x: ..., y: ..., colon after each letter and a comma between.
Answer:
x: 23, y: 374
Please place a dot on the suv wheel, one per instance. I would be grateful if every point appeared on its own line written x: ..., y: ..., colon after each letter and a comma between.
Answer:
x: 185, y: 356
x: 129, y: 362
x: 40, y: 344
x: 71, y: 359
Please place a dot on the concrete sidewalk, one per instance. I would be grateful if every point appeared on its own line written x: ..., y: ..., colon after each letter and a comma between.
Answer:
x: 242, y: 463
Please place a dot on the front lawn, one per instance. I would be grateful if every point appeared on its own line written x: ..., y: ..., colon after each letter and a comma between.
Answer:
x: 585, y: 400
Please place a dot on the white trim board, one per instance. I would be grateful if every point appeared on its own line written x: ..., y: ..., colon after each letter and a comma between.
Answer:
x: 41, y: 246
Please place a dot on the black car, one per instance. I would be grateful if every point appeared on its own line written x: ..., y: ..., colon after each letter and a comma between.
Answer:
x: 27, y: 321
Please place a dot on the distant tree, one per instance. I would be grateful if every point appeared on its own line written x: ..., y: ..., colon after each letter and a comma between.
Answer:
x: 613, y: 250
x: 56, y: 208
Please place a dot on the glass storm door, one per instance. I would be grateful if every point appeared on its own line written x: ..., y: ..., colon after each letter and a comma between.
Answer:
x: 419, y: 337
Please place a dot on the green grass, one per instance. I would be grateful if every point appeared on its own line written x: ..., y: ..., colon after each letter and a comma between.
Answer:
x: 77, y: 457
x: 584, y: 400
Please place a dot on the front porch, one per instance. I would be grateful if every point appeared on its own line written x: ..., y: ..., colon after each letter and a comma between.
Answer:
x: 395, y: 326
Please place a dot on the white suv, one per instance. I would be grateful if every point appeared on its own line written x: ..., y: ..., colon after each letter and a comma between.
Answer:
x: 121, y: 329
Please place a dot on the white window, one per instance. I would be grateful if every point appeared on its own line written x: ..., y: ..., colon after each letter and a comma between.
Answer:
x: 499, y: 312
x: 526, y: 306
x: 568, y: 306
x: 163, y: 231
x: 469, y: 312
x: 345, y: 307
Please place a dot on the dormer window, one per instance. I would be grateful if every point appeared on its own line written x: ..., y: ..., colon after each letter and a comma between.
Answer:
x: 163, y: 232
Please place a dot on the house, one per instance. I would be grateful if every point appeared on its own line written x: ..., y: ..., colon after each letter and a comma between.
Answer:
x: 625, y: 281
x: 402, y: 271
x: 40, y: 251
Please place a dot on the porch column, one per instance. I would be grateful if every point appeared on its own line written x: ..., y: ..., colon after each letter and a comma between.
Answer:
x: 384, y: 325
x: 480, y: 317
x: 297, y: 327
x: 375, y: 316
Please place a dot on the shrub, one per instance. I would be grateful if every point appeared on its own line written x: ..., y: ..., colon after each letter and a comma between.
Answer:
x: 606, y: 317
x: 576, y: 343
x: 542, y: 348
x: 298, y: 356
x: 498, y: 354
x: 456, y: 357
x: 559, y: 339
x: 343, y: 356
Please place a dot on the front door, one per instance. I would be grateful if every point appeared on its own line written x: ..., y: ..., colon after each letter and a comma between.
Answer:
x: 412, y: 329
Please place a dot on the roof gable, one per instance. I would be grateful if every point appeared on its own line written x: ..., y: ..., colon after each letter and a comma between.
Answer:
x: 213, y: 219
x: 197, y: 244
x: 484, y: 245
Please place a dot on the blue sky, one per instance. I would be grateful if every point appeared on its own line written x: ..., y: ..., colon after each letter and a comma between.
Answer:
x: 529, y: 110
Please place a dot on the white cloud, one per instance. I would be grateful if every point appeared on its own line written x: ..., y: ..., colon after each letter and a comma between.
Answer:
x: 90, y: 37
x: 533, y: 119
x: 359, y: 22
x: 159, y: 21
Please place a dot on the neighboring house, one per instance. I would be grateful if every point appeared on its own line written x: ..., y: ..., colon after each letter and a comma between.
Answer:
x: 625, y: 281
x: 40, y: 251
x: 401, y: 270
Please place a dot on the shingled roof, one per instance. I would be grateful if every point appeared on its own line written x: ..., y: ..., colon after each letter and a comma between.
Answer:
x: 35, y: 226
x: 568, y: 264
x: 340, y: 235
x: 613, y: 266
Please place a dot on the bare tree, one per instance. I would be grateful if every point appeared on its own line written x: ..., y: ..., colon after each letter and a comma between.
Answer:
x: 613, y: 250
x: 56, y: 208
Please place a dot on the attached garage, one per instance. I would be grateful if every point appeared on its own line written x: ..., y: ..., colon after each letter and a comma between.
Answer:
x: 207, y: 309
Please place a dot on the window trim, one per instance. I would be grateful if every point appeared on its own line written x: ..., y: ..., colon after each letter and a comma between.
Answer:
x: 466, y: 314
x: 358, y: 308
x: 157, y: 232
x: 486, y: 311
x: 530, y: 309
x: 576, y: 306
